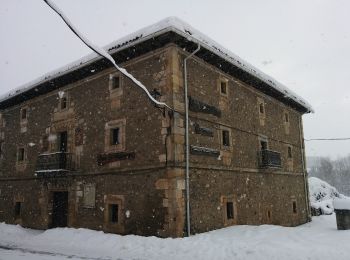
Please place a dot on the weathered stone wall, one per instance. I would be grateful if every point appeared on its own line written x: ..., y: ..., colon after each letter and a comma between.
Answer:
x: 91, y: 106
x: 145, y: 131
x: 259, y: 198
x: 260, y: 195
x: 240, y: 115
x: 140, y: 199
x: 149, y: 187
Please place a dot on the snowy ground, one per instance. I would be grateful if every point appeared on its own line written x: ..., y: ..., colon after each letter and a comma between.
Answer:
x: 316, y: 240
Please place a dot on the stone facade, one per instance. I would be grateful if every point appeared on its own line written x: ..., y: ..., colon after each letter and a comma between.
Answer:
x: 127, y: 156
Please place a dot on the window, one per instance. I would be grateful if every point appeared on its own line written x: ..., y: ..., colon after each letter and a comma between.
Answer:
x: 290, y: 155
x: 113, y: 213
x: 45, y: 143
x: 114, y: 82
x: 62, y: 141
x: 63, y: 102
x: 1, y: 149
x: 225, y: 138
x: 24, y: 114
x: 20, y: 155
x: 286, y: 117
x: 113, y: 217
x: 18, y: 209
x: 261, y: 108
x: 294, y: 207
x: 115, y: 136
x: 229, y: 210
x: 269, y: 214
x: 223, y: 87
x: 263, y: 145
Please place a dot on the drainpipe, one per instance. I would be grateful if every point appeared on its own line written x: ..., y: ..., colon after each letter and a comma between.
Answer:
x: 187, y: 145
x: 302, y: 145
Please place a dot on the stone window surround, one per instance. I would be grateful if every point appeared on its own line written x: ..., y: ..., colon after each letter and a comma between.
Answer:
x: 120, y: 123
x: 223, y: 80
x: 294, y: 207
x: 285, y: 122
x: 2, y: 148
x: 286, y: 117
x: 115, y: 91
x: 24, y: 121
x: 114, y: 199
x: 262, y: 115
x: 263, y: 138
x: 18, y: 199
x: 45, y: 144
x: 261, y: 102
x: 289, y: 148
x: 269, y: 215
x: 222, y: 146
x: 224, y: 201
x: 61, y: 98
x: 24, y: 155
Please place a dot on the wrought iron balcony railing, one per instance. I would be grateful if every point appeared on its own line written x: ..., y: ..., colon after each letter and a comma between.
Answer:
x: 269, y: 158
x: 54, y: 162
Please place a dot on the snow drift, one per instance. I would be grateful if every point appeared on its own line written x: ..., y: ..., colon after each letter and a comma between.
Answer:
x: 318, y: 239
x: 322, y: 196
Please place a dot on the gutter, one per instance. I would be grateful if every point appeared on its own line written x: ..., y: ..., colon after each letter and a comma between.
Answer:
x: 188, y: 215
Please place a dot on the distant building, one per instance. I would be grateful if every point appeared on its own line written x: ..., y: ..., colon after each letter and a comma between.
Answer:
x: 84, y: 147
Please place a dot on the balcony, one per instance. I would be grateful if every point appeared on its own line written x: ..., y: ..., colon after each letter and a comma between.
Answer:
x: 57, y: 163
x: 269, y: 158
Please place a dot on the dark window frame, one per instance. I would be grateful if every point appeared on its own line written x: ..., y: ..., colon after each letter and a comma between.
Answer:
x: 289, y: 152
x: 223, y: 87
x: 230, y: 210
x: 24, y: 114
x: 21, y: 154
x: 115, y: 82
x: 18, y: 209
x: 264, y: 145
x: 294, y: 205
x: 115, y: 136
x: 225, y: 134
x: 113, y: 211
x: 1, y: 148
x: 286, y: 118
x: 63, y: 103
x: 261, y: 108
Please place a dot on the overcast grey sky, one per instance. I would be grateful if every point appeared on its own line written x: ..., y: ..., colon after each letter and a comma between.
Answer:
x: 304, y: 44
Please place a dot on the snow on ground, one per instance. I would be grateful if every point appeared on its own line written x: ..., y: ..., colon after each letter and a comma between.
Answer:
x: 316, y: 240
x: 322, y: 195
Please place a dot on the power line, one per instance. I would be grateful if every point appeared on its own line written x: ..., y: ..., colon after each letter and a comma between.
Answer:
x: 102, y: 52
x: 328, y: 139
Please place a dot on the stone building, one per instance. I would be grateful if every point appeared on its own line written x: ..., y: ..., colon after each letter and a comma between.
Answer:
x: 85, y: 147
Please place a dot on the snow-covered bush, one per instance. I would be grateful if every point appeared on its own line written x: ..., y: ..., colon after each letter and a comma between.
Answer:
x: 322, y: 196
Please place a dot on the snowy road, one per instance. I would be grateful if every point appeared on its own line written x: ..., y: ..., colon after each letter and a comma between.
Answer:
x: 7, y: 253
x: 317, y: 240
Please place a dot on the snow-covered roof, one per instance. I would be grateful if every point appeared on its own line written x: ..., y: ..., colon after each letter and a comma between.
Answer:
x: 170, y: 24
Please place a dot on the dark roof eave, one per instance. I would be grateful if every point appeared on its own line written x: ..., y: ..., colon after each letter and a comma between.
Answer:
x: 139, y: 49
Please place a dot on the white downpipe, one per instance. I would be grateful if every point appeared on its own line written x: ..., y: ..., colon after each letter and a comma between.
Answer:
x: 187, y: 145
x: 302, y: 145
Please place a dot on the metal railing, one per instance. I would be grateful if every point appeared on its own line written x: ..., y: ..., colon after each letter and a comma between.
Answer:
x: 269, y: 158
x: 58, y: 161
